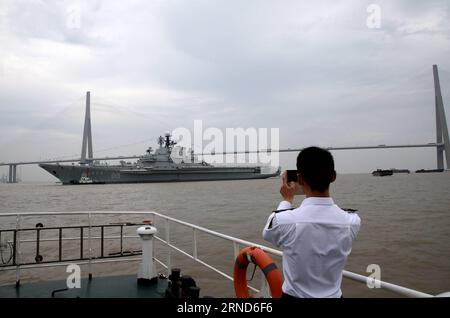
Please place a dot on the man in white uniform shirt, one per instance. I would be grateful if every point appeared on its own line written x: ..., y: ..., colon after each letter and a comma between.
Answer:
x: 316, y: 238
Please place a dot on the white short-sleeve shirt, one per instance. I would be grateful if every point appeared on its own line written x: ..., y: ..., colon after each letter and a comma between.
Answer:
x: 316, y: 239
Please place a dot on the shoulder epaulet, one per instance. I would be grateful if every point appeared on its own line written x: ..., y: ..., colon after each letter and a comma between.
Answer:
x: 349, y: 210
x: 277, y: 211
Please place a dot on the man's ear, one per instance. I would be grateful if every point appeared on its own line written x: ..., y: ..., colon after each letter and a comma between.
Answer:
x: 333, y: 176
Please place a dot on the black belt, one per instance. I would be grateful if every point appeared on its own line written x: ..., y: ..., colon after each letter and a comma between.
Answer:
x: 287, y: 296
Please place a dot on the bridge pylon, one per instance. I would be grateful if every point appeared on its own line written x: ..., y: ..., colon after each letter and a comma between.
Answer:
x: 442, y: 136
x: 87, y: 133
x: 12, y: 175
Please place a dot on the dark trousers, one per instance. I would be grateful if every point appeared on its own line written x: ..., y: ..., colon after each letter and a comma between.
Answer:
x: 287, y: 296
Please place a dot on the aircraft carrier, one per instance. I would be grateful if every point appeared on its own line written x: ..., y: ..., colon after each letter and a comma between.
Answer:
x: 154, y: 166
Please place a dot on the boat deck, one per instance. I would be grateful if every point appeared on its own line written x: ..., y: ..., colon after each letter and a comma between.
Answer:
x: 125, y: 286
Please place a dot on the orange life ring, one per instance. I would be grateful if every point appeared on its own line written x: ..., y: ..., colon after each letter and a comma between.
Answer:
x: 265, y: 263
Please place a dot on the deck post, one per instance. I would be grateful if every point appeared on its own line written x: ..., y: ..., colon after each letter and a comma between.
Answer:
x: 147, y: 273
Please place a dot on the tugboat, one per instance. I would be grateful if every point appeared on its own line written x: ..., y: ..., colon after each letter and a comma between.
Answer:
x: 156, y: 166
x: 382, y: 173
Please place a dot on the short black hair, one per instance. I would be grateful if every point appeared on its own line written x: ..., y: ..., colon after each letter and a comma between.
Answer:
x: 316, y: 166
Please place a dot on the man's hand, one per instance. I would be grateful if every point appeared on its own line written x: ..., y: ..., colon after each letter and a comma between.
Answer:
x: 287, y: 190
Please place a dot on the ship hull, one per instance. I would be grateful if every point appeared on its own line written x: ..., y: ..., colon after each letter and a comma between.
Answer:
x: 101, y: 175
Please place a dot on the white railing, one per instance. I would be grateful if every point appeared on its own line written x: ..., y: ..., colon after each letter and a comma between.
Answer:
x: 236, y: 242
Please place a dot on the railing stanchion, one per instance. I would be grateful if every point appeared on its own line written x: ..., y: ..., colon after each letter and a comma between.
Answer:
x: 169, y: 256
x: 102, y: 235
x: 264, y: 288
x: 121, y: 239
x: 81, y: 242
x: 194, y: 238
x: 18, y: 252
x: 60, y: 245
x: 89, y: 247
x: 14, y: 246
x: 38, y: 243
x: 236, y: 249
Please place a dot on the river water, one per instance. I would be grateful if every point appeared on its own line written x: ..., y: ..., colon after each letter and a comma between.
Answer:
x: 405, y: 225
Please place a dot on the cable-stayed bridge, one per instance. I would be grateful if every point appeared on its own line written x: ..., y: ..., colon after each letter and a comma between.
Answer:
x: 442, y: 143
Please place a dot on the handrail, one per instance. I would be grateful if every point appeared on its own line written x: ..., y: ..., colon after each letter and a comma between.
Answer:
x: 236, y: 241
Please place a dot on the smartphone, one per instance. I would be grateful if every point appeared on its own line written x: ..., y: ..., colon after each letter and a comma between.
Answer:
x: 291, y: 176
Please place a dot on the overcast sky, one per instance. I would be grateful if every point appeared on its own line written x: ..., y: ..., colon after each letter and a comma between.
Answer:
x: 314, y: 69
